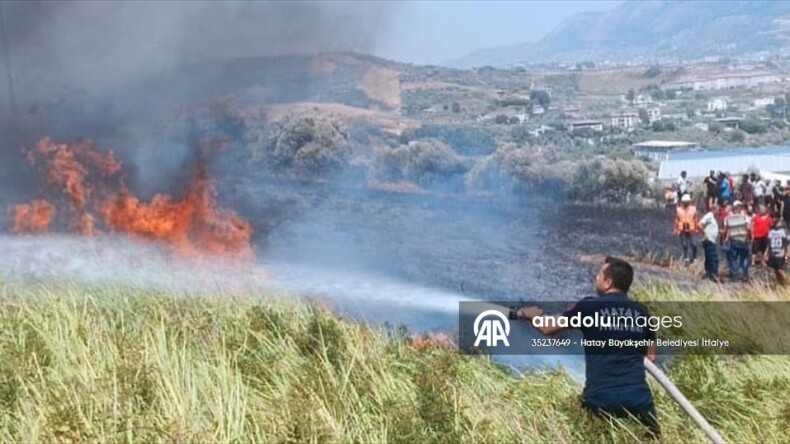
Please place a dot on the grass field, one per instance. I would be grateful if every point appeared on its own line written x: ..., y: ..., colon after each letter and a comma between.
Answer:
x: 120, y: 364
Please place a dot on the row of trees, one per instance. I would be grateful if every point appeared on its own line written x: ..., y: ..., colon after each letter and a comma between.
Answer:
x: 588, y: 180
x: 319, y: 144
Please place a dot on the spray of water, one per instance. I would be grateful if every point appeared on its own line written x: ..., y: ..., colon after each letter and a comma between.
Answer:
x: 119, y: 260
x: 365, y: 297
x: 378, y: 299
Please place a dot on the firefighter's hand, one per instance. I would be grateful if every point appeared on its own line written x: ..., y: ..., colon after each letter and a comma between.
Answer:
x: 530, y: 312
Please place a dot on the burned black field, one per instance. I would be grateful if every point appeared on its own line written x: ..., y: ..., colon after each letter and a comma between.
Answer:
x: 483, y: 248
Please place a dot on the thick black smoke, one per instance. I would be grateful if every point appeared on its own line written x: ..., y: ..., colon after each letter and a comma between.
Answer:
x: 74, y: 65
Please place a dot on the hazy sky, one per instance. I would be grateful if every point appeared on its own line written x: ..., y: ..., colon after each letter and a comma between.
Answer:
x: 439, y: 30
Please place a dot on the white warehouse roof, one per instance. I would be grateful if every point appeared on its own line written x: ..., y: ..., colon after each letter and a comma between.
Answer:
x: 664, y: 144
x: 699, y: 163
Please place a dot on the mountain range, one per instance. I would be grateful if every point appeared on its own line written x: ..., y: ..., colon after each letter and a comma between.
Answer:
x: 653, y: 30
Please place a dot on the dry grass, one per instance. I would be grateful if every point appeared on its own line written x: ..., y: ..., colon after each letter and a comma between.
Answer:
x: 119, y: 364
x: 327, y: 64
x: 382, y: 85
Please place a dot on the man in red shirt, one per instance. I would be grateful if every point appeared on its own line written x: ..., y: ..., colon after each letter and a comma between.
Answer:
x: 761, y: 225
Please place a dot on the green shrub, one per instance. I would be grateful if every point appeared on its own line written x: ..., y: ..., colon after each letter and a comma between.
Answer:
x: 305, y: 142
x: 753, y: 126
x: 737, y: 136
x: 607, y: 179
x: 464, y: 139
x: 423, y: 161
x: 604, y: 179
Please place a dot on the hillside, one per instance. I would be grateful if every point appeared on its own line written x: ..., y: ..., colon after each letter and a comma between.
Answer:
x: 652, y: 30
x: 367, y: 88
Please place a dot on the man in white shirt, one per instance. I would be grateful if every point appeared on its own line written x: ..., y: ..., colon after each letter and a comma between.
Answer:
x: 683, y: 184
x: 710, y: 239
x: 759, y: 192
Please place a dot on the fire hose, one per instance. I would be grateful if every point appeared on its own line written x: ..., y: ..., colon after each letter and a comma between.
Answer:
x: 684, y: 403
x: 673, y: 392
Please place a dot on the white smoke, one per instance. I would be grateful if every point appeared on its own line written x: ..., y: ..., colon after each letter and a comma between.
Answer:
x: 118, y: 260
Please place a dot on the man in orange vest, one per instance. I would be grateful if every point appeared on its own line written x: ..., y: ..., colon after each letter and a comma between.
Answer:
x: 687, y: 226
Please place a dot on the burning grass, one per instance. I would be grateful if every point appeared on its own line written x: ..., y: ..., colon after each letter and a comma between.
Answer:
x: 33, y: 217
x: 86, y: 186
x: 118, y: 363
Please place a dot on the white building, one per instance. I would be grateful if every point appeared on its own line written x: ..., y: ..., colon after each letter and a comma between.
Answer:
x: 659, y: 150
x: 537, y: 132
x: 765, y: 101
x: 675, y: 116
x: 653, y: 114
x: 625, y: 120
x: 717, y: 104
x: 595, y: 125
x: 642, y: 100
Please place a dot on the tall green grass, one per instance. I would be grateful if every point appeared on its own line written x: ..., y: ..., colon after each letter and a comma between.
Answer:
x: 119, y: 364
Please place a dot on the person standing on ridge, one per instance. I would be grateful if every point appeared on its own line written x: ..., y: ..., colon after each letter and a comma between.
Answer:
x: 710, y: 243
x: 683, y: 185
x: 670, y: 198
x: 761, y: 225
x: 776, y: 255
x: 784, y: 207
x: 722, y: 213
x: 615, y: 383
x: 737, y: 229
x: 710, y: 189
x: 747, y: 192
x: 686, y: 226
x: 759, y: 192
x: 725, y: 191
x: 754, y: 181
x: 778, y: 196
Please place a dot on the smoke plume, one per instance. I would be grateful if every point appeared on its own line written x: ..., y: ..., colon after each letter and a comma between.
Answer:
x: 79, y: 69
x: 102, y: 44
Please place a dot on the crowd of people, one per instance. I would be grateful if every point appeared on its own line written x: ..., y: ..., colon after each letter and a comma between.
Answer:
x: 746, y: 221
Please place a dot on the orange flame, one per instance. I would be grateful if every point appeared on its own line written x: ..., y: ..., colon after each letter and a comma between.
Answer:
x: 34, y: 217
x: 89, y: 180
x: 191, y: 224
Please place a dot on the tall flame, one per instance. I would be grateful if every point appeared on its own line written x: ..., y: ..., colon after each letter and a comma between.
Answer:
x: 89, y: 182
x: 193, y: 224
